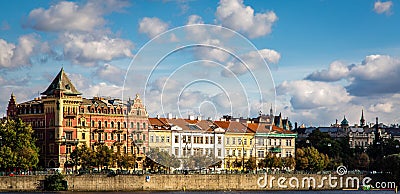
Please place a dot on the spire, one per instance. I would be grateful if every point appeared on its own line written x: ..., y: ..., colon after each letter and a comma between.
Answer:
x: 362, y: 120
x: 61, y: 83
x: 271, y: 111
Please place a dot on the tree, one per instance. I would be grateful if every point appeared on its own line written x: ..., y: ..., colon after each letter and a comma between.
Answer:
x: 103, y: 156
x: 251, y: 164
x: 289, y: 162
x: 391, y: 165
x: 18, y: 149
x: 310, y: 159
x: 55, y: 182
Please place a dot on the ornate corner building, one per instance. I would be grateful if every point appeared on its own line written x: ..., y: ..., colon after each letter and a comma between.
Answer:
x: 62, y: 119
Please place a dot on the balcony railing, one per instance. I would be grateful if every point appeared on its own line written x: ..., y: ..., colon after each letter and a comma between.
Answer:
x: 69, y: 114
x: 69, y: 141
x: 276, y: 150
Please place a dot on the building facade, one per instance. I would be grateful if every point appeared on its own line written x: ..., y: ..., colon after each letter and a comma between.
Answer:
x: 62, y: 119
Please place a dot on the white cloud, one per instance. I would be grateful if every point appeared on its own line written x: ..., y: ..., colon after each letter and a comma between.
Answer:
x: 103, y: 89
x: 383, y: 7
x: 12, y: 55
x: 66, y: 16
x: 111, y: 73
x: 71, y: 16
x: 89, y: 48
x: 337, y: 71
x: 152, y: 26
x: 234, y: 14
x: 195, y: 19
x: 306, y: 94
x: 381, y: 107
x: 253, y: 60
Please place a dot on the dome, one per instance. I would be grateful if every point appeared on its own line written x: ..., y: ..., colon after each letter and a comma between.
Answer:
x: 344, y: 121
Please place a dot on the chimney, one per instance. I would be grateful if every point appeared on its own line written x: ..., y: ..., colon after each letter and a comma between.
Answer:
x: 209, y: 118
x: 191, y: 117
x: 169, y: 115
x: 176, y: 116
x: 158, y: 116
x: 199, y: 118
x: 295, y: 125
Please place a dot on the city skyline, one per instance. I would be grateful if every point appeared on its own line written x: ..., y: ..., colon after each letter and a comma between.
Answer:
x: 327, y: 58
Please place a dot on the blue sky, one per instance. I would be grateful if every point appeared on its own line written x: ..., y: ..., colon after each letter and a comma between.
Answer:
x: 327, y: 58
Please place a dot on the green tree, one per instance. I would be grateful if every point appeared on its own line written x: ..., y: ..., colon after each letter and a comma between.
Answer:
x: 55, y: 182
x: 18, y: 149
x: 251, y: 164
x: 103, y: 156
x: 82, y: 156
x: 309, y: 158
x: 289, y: 162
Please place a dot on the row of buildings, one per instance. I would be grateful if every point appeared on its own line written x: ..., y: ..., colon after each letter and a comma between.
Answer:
x: 62, y: 120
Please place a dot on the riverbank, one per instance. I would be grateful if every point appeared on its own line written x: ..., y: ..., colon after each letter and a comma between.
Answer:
x: 195, y: 182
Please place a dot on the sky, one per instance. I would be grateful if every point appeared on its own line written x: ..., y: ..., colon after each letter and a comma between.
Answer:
x: 313, y: 61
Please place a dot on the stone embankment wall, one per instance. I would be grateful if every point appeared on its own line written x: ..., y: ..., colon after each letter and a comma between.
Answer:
x: 183, y: 182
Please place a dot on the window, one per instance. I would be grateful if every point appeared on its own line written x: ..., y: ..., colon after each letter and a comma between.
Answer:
x: 162, y: 139
x: 226, y: 152
x: 92, y: 123
x: 261, y: 154
x: 206, y: 140
x: 233, y: 141
x: 131, y: 149
x: 119, y: 125
x: 51, y: 148
x: 227, y: 141
x: 151, y: 139
x: 244, y: 153
x: 112, y: 124
x: 83, y: 136
x: 40, y: 136
x: 240, y: 141
x: 239, y: 152
x: 176, y: 151
x: 119, y: 137
x: 112, y: 136
x: 144, y: 137
x: 211, y: 140
x: 245, y: 141
x: 68, y: 149
x: 144, y: 125
x: 92, y: 136
x: 157, y: 139
x: 176, y: 139
x: 219, y: 152
x: 167, y: 139
x: 99, y: 125
x: 68, y: 135
x: 131, y: 124
x: 125, y: 151
x: 105, y: 124
x: 219, y: 140
x: 125, y: 137
x: 137, y: 125
x: 288, y: 154
x: 251, y: 141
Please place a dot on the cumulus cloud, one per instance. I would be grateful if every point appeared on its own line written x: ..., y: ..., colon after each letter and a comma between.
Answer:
x: 111, y: 73
x: 337, y: 71
x: 71, y: 16
x: 381, y: 107
x: 152, y: 26
x: 376, y: 75
x: 89, y: 48
x: 16, y: 55
x: 305, y: 94
x: 194, y: 19
x: 383, y: 7
x: 234, y: 14
x: 252, y: 62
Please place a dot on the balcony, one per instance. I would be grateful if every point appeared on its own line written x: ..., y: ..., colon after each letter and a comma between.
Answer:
x: 276, y: 150
x: 138, y: 142
x: 69, y: 114
x: 73, y: 142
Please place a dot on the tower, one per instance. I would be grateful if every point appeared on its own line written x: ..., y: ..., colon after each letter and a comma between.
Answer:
x: 12, y: 107
x: 362, y: 120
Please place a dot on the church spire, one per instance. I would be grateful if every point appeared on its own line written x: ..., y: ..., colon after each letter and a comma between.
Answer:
x: 362, y: 120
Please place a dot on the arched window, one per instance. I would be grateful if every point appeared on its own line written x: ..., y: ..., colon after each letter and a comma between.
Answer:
x: 119, y: 125
x: 112, y: 124
x: 144, y: 125
x: 99, y: 124
x: 105, y: 124
x: 138, y: 125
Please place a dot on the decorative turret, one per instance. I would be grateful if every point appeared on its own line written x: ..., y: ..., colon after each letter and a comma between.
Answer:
x: 61, y: 85
x: 12, y: 107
